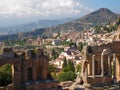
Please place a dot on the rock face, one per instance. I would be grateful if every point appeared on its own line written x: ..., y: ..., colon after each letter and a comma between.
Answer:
x: 30, y: 69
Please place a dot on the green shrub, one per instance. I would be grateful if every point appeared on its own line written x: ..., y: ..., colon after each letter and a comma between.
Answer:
x: 66, y: 76
x: 5, y: 75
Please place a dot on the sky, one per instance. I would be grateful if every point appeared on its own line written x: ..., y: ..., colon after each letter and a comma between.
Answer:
x: 15, y: 12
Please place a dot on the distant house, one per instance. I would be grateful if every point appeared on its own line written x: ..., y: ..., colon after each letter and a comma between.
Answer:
x: 77, y: 60
x: 1, y: 44
x: 55, y: 34
x: 58, y: 63
x: 56, y: 42
x: 38, y: 41
x: 66, y: 48
x: 72, y: 49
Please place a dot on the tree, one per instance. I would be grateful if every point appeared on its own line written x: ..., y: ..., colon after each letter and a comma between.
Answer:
x: 80, y: 47
x: 71, y: 44
x: 55, y: 53
x: 66, y: 76
x: 118, y: 22
x: 64, y: 63
x: 68, y: 72
x: 68, y: 67
x: 78, y: 67
x: 97, y: 29
x: 51, y: 68
x: 72, y: 67
x: 5, y: 75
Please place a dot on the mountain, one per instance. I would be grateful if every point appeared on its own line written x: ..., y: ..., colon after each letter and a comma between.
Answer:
x: 33, y: 25
x: 99, y: 17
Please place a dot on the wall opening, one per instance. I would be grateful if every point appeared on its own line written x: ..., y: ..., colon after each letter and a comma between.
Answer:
x: 29, y: 74
x: 39, y: 72
x: 118, y: 67
x: 6, y: 75
x: 97, y: 72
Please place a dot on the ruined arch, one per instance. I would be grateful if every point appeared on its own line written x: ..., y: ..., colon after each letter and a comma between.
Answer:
x: 24, y: 64
x: 16, y: 70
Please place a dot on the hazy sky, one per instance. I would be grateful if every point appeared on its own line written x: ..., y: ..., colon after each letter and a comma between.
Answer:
x: 13, y: 12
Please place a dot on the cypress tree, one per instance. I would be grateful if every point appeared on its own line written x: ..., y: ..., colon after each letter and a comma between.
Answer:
x: 64, y: 63
x: 72, y: 67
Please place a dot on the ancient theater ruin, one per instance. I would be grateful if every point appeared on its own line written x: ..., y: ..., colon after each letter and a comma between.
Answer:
x: 102, y: 64
x: 29, y: 69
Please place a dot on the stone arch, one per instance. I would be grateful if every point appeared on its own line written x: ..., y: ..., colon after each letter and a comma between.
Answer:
x: 16, y: 70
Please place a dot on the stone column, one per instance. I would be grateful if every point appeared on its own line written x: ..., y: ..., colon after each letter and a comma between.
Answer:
x: 89, y: 69
x: 86, y: 72
x: 114, y: 63
x: 93, y: 65
x: 109, y: 66
x: 83, y: 69
x: 102, y: 61
x: 102, y: 65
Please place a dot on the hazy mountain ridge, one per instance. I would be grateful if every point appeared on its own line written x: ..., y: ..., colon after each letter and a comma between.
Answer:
x: 34, y: 25
x: 98, y: 17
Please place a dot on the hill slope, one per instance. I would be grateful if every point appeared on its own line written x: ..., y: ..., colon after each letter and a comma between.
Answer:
x: 33, y: 25
x: 98, y: 17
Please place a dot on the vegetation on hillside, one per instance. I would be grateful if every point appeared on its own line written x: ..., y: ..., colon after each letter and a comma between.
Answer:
x: 20, y: 42
x: 100, y: 17
x: 108, y: 27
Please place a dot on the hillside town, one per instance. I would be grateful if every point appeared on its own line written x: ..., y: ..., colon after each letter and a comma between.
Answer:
x: 72, y: 60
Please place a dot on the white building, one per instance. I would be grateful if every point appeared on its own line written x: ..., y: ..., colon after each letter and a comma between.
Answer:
x: 56, y: 42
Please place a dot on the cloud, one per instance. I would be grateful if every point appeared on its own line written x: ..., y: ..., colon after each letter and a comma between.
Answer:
x: 43, y: 8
